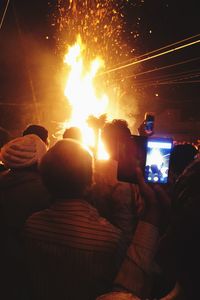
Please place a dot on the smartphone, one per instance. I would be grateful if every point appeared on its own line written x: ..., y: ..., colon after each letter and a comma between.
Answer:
x: 132, y: 153
x: 157, y: 163
x: 149, y: 119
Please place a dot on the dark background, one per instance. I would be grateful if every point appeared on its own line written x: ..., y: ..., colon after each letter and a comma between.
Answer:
x: 30, y: 88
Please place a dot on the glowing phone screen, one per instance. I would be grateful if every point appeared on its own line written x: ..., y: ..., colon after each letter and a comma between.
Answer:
x: 157, y: 160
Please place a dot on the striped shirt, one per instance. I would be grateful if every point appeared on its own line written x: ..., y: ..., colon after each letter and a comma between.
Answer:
x: 137, y: 270
x: 72, y: 252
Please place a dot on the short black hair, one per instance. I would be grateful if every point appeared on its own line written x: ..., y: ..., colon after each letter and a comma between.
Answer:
x: 73, y: 133
x: 117, y: 128
x: 113, y: 133
x: 181, y: 156
x: 39, y: 130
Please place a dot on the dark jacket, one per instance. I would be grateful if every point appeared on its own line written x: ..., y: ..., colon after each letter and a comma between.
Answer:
x: 21, y: 194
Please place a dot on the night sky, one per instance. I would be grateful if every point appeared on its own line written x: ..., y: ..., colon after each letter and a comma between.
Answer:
x: 29, y: 58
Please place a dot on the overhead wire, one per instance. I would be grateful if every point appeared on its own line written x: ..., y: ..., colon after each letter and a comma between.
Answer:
x: 150, y: 57
x: 172, y: 82
x: 156, y: 50
x: 179, y: 75
x: 158, y: 69
x: 135, y: 75
x: 136, y: 61
x: 4, y: 14
x: 176, y: 75
x: 156, y: 81
x: 189, y: 81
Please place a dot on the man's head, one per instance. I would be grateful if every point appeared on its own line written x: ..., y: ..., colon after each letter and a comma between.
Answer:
x: 73, y: 133
x: 67, y: 169
x: 113, y: 133
x: 38, y: 130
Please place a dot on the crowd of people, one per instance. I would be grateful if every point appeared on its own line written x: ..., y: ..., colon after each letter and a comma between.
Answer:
x: 71, y: 230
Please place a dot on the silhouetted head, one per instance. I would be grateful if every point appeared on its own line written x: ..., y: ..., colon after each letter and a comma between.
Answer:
x: 67, y: 169
x: 181, y: 156
x: 73, y: 133
x: 38, y: 130
x: 113, y: 133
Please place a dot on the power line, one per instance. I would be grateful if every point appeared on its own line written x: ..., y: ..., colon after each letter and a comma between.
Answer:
x: 158, y: 69
x: 176, y: 79
x: 150, y: 57
x: 179, y: 75
x: 167, y: 79
x: 167, y: 67
x: 156, y: 50
x: 172, y: 82
x: 4, y: 14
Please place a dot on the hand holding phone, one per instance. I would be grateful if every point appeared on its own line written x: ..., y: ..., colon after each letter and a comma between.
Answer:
x: 158, y: 160
x: 152, y: 155
x: 132, y: 154
x: 149, y: 119
x: 147, y: 126
x: 157, y: 202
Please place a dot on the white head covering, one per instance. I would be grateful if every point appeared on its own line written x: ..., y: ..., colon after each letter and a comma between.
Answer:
x: 23, y: 151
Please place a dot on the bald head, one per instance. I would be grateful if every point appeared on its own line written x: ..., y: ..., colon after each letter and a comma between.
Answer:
x: 66, y: 169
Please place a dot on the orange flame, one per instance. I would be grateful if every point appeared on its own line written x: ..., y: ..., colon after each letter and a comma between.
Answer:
x: 82, y: 96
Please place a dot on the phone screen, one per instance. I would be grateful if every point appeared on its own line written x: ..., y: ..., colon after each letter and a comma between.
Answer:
x: 157, y: 160
x: 132, y: 153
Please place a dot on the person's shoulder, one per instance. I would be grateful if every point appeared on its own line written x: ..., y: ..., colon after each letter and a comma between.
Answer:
x: 22, y: 177
x: 97, y: 220
x: 38, y: 216
x: 123, y: 188
x: 186, y: 192
x: 189, y: 180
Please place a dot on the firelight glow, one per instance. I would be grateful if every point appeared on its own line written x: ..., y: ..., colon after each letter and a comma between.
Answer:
x: 82, y: 95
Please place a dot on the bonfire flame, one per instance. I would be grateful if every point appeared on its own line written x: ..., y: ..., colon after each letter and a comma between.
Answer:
x: 82, y: 96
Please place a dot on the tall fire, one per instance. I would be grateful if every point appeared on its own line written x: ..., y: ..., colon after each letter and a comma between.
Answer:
x: 101, y: 24
x: 82, y: 95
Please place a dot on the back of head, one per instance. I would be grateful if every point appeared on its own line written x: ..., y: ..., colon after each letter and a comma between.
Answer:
x: 113, y: 133
x: 182, y: 155
x: 23, y: 152
x: 66, y: 169
x: 72, y: 133
x: 38, y: 130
